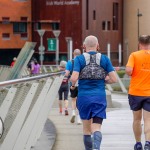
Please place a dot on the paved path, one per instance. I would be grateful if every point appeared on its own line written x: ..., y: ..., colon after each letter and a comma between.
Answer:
x: 116, y: 129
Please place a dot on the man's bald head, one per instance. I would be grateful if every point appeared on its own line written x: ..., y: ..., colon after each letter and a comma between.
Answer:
x: 91, y: 43
x: 76, y: 52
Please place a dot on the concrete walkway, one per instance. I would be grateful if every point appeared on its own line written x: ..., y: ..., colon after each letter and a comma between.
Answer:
x: 116, y: 129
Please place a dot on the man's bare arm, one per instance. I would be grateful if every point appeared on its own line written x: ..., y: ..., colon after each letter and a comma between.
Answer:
x: 67, y: 73
x: 74, y: 77
x: 129, y: 71
x: 111, y: 78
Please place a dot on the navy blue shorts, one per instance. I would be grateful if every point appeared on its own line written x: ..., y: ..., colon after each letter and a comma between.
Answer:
x: 139, y: 102
x: 74, y: 93
x: 91, y: 107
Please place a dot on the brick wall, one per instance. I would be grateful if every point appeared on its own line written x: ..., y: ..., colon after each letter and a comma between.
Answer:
x: 14, y: 10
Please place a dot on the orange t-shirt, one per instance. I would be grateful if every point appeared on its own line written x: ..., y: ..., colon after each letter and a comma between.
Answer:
x: 140, y: 78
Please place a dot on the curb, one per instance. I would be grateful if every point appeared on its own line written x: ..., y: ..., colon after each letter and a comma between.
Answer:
x: 117, y: 92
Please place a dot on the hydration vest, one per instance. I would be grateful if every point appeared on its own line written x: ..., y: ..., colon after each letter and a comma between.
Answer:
x: 92, y: 70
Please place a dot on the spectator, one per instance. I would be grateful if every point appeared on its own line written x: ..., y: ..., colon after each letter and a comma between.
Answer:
x: 35, y: 67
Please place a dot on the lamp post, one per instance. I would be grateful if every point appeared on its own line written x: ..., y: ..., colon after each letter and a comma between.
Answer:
x: 41, y: 47
x: 120, y: 54
x: 108, y: 50
x: 56, y: 34
x: 138, y: 17
x: 69, y: 47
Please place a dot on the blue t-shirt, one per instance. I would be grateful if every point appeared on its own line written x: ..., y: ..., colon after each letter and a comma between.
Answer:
x: 92, y: 87
x: 69, y: 66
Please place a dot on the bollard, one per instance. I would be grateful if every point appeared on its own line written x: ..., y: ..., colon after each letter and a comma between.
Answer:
x: 109, y: 99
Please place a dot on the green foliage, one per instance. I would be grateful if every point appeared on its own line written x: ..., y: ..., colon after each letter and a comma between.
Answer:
x: 121, y: 73
x: 117, y: 89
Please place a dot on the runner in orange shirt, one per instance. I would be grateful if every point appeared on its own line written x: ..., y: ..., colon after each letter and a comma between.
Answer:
x: 138, y: 67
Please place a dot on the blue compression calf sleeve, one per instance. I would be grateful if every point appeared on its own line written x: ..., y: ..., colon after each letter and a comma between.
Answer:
x: 97, y: 137
x: 87, y: 142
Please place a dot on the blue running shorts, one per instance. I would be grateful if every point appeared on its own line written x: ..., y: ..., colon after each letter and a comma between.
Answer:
x: 91, y: 106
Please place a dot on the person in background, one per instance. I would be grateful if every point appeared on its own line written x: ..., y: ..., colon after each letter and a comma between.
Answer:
x: 35, y: 67
x: 13, y: 62
x: 29, y: 66
x: 93, y: 70
x: 138, y: 67
x: 63, y: 90
x: 74, y: 93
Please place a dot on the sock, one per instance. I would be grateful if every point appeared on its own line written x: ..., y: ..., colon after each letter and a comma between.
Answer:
x: 138, y: 143
x: 73, y: 112
x: 87, y: 142
x: 78, y: 117
x: 97, y: 137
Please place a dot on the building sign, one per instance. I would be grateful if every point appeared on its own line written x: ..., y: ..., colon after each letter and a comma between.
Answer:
x: 52, y: 44
x: 62, y: 2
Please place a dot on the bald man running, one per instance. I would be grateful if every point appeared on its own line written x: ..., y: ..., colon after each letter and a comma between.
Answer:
x: 91, y: 69
x: 74, y: 92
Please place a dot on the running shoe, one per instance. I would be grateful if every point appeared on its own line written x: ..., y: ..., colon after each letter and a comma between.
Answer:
x: 79, y: 120
x: 72, y: 120
x: 147, y: 146
x: 66, y: 113
x: 138, y: 146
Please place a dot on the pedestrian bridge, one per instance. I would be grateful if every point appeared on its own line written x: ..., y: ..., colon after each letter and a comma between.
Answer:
x: 31, y: 119
x: 29, y: 109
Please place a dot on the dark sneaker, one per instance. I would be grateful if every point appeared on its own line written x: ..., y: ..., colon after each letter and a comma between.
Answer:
x: 138, y: 146
x: 72, y: 120
x: 147, y: 146
x: 66, y: 113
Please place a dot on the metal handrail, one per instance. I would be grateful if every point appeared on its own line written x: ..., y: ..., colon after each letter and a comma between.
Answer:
x: 15, y: 81
x: 5, y: 66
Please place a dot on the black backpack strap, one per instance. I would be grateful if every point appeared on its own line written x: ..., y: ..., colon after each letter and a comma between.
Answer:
x: 72, y: 61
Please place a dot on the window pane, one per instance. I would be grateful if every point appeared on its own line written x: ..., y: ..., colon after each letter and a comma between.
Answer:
x: 55, y: 26
x: 20, y: 27
x: 16, y: 27
x: 106, y: 25
x: 37, y: 26
x: 115, y: 15
x: 94, y: 15
x: 87, y: 14
x: 5, y: 36
x: 23, y: 27
x: 24, y: 19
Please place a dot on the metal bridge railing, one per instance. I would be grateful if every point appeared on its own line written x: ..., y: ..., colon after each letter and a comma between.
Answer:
x: 24, y: 108
x: 4, y: 72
